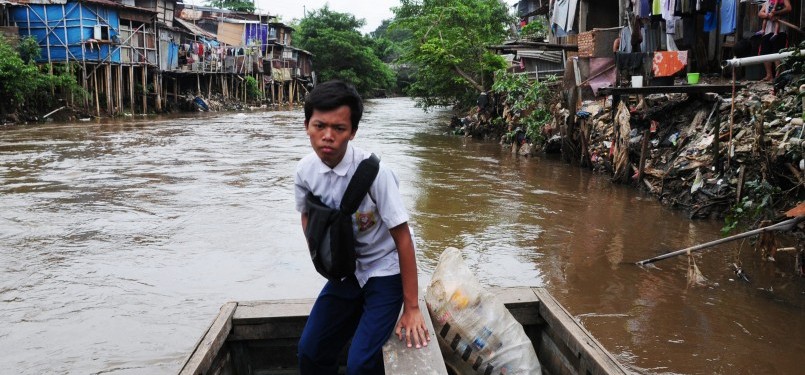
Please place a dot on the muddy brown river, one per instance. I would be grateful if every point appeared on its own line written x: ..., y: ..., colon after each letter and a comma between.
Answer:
x: 119, y: 241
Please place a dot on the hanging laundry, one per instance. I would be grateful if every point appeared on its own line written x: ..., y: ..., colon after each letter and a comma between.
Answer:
x: 668, y: 63
x: 626, y: 40
x: 564, y: 13
x: 728, y: 9
x: 707, y: 6
x: 679, y: 28
x: 656, y: 7
x: 644, y: 8
x: 667, y: 9
x: 709, y: 22
x: 670, y: 45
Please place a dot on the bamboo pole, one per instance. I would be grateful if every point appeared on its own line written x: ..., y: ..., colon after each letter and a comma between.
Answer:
x: 107, y: 76
x: 158, y: 91
x: 95, y: 83
x: 779, y: 227
x: 144, y: 75
x: 131, y: 87
x: 120, y: 86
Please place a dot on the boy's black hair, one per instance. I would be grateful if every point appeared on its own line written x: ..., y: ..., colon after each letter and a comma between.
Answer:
x: 331, y: 95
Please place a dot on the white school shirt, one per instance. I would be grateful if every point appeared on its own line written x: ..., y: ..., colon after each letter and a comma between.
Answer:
x: 380, y: 210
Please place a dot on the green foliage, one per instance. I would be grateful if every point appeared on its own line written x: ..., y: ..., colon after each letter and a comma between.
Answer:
x: 447, y: 50
x: 236, y: 5
x: 18, y: 78
x: 796, y: 63
x: 389, y: 41
x: 29, y: 49
x: 755, y: 205
x: 536, y: 29
x: 529, y: 98
x: 252, y: 88
x: 341, y: 52
x: 24, y: 85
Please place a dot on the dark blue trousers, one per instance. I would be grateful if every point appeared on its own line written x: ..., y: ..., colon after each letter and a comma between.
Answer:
x: 342, y: 311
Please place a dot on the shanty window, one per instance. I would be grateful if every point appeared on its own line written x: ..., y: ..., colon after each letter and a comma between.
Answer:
x: 101, y: 32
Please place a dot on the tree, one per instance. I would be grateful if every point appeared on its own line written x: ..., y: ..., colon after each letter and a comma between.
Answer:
x: 18, y: 78
x: 448, y: 48
x: 341, y: 52
x: 236, y: 5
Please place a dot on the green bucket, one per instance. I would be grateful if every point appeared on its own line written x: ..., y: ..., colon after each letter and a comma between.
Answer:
x: 693, y: 78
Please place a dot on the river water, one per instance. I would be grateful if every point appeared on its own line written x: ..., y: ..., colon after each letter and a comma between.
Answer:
x: 119, y: 241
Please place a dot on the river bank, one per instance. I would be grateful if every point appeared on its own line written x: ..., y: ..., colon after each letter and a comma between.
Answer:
x: 738, y: 160
x: 704, y: 154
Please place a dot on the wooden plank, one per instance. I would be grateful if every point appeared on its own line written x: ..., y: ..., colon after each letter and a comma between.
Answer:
x: 683, y: 89
x: 211, y: 343
x: 399, y: 359
x: 257, y: 311
x: 521, y: 302
x: 593, y: 358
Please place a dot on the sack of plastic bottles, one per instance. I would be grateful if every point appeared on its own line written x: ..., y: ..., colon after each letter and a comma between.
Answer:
x: 476, y: 333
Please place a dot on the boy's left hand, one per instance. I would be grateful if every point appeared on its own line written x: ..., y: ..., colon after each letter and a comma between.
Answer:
x: 412, y: 324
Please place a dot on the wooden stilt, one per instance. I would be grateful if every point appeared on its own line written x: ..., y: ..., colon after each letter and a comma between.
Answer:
x: 97, y: 102
x: 175, y: 90
x: 144, y: 75
x: 198, y: 84
x: 290, y: 94
x: 164, y: 92
x: 120, y: 85
x: 131, y: 87
x: 110, y: 103
x: 158, y: 91
x: 84, y: 84
x: 209, y: 87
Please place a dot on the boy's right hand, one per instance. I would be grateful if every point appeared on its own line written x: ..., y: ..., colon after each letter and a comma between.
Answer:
x: 412, y: 324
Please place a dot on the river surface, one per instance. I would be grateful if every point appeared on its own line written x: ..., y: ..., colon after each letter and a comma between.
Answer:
x: 119, y: 241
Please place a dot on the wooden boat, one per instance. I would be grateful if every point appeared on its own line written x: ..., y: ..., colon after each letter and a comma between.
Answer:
x: 260, y: 338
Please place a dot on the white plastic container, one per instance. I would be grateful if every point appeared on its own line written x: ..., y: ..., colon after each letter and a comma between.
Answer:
x: 637, y: 81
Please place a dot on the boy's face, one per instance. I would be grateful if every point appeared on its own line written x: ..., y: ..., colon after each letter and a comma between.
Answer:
x: 330, y: 133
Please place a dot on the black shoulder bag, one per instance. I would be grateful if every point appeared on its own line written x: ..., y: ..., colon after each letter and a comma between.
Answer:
x: 329, y: 231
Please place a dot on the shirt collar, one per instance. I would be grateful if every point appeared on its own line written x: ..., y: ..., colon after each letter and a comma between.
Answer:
x: 343, y: 167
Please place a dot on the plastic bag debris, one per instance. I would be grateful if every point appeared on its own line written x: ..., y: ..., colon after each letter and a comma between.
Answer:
x: 698, y: 182
x: 476, y: 333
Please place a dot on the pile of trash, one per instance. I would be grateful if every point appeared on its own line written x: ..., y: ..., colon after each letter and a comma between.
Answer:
x: 759, y: 138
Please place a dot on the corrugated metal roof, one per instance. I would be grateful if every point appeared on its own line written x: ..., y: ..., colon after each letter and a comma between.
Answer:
x: 113, y: 4
x: 106, y: 3
x: 552, y: 56
x: 195, y: 29
x: 233, y: 20
x: 37, y: 2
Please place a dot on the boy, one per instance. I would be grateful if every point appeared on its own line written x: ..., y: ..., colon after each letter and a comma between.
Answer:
x: 363, y: 306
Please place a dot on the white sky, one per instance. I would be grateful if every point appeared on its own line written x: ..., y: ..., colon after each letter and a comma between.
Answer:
x: 372, y: 11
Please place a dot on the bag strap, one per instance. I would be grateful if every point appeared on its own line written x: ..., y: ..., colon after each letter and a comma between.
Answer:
x: 359, y: 184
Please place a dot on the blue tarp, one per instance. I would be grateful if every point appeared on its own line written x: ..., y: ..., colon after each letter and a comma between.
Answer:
x: 257, y: 34
x: 65, y: 27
